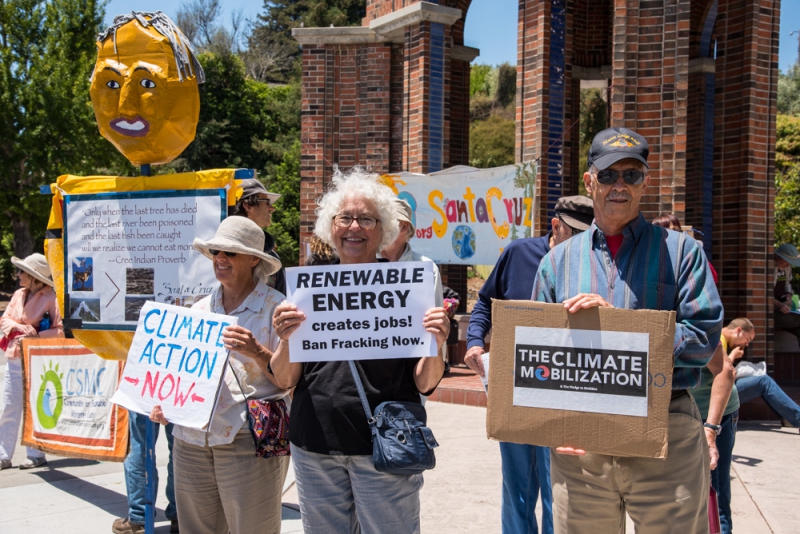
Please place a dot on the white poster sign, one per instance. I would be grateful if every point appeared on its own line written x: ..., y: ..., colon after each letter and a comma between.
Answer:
x: 581, y: 370
x: 465, y: 215
x: 125, y: 249
x: 177, y: 360
x: 361, y: 312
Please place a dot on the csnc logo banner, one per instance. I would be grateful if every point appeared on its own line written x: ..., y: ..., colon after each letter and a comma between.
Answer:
x: 581, y: 370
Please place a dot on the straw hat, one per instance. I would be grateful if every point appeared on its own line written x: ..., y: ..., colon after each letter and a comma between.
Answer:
x: 36, y: 266
x: 240, y: 235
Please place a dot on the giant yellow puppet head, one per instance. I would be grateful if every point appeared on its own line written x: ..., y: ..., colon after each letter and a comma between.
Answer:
x: 144, y: 88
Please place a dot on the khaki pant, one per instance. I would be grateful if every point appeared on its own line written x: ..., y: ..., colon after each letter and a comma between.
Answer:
x: 227, y: 488
x: 592, y: 493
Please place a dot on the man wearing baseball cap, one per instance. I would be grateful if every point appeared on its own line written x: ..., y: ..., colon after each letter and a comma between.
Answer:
x: 623, y: 261
x: 526, y: 468
x: 258, y: 204
x: 786, y: 257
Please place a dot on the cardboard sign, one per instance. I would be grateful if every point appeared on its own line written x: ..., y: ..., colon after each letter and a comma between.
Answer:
x: 125, y: 249
x: 598, y: 380
x: 361, y: 312
x: 465, y: 215
x: 177, y: 360
x: 68, y: 409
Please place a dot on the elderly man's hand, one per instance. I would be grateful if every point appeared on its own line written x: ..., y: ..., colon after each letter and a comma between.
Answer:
x: 474, y: 361
x: 711, y: 439
x: 585, y: 300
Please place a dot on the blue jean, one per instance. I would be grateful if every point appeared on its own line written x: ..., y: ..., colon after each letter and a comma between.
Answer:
x: 721, y: 476
x: 751, y: 387
x: 345, y: 494
x: 526, y: 472
x: 135, y: 470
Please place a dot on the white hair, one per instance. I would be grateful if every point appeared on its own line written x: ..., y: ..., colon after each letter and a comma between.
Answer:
x: 358, y: 183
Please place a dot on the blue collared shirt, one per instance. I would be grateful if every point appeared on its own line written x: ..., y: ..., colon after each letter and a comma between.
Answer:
x: 654, y: 269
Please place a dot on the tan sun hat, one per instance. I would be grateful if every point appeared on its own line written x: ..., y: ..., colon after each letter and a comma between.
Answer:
x: 404, y: 213
x: 240, y: 235
x: 36, y: 266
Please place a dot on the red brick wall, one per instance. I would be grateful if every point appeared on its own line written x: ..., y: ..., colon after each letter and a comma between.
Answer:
x: 744, y: 161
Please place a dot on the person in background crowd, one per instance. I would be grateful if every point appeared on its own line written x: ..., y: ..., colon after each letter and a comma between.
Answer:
x: 221, y: 484
x: 718, y: 401
x: 337, y: 484
x: 786, y: 257
x: 668, y: 220
x: 526, y: 468
x: 32, y: 307
x: 258, y: 205
x: 620, y: 262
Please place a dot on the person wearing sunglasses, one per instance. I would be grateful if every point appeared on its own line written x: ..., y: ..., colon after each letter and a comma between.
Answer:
x: 337, y: 484
x: 526, y: 468
x: 221, y: 484
x: 258, y: 205
x: 622, y: 261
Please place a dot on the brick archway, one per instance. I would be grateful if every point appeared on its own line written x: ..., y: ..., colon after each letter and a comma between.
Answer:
x: 696, y: 77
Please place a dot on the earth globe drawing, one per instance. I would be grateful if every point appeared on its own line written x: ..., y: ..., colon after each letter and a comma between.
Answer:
x: 464, y: 241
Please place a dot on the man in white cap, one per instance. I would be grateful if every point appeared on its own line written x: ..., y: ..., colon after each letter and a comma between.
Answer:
x: 786, y: 257
x: 258, y: 204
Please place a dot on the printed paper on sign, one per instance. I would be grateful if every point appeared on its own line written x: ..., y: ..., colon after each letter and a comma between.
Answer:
x: 581, y: 370
x: 361, y: 312
x: 177, y: 360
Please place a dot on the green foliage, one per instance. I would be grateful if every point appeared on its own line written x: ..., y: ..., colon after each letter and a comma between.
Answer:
x: 243, y: 122
x: 479, y: 81
x: 789, y: 91
x: 285, y: 226
x: 491, y: 142
x: 272, y: 33
x: 47, y: 127
x: 594, y: 118
x: 787, y: 180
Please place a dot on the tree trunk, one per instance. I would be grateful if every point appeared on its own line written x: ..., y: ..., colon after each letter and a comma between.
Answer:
x: 23, y: 242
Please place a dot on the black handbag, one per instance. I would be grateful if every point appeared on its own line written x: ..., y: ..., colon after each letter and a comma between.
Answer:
x: 401, y: 443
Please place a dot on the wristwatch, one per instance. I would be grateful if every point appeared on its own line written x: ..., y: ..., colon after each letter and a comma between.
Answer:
x: 716, y: 428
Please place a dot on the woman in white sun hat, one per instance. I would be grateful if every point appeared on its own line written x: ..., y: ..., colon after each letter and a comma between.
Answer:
x: 221, y: 484
x: 27, y: 315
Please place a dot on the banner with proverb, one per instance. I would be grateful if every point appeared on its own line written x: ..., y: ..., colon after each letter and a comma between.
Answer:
x: 125, y: 249
x: 581, y: 370
x: 467, y: 216
x: 177, y: 360
x: 68, y: 409
x: 366, y: 311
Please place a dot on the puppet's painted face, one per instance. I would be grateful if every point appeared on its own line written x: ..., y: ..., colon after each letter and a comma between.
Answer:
x: 140, y: 104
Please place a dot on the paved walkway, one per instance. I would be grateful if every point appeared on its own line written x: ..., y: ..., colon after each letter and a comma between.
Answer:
x: 462, y: 495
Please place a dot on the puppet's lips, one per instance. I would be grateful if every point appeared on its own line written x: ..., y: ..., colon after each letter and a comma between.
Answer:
x: 137, y: 127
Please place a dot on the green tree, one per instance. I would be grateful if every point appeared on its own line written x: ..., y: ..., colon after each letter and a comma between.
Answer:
x: 47, y: 126
x: 787, y: 180
x: 285, y: 226
x: 789, y: 91
x: 491, y: 142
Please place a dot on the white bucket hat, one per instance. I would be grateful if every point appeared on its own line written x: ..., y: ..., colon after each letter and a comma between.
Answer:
x: 240, y: 235
x: 36, y: 266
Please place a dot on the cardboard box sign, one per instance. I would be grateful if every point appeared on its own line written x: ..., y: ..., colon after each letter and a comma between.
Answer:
x: 598, y: 380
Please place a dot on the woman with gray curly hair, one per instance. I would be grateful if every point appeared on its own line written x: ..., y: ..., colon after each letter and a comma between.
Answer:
x: 337, y: 484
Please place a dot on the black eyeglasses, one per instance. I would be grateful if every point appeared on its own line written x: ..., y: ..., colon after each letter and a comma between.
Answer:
x: 365, y: 222
x: 610, y: 176
x: 574, y: 231
x: 214, y: 252
x: 264, y: 200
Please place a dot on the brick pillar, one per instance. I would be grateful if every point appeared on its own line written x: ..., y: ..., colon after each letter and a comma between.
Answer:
x: 346, y: 109
x: 744, y: 161
x: 544, y: 92
x: 650, y: 65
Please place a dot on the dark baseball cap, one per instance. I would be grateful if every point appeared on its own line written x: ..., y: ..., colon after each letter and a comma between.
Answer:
x: 615, y: 144
x: 577, y: 211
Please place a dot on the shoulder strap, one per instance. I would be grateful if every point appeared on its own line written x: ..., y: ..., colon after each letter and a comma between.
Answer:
x: 361, y: 394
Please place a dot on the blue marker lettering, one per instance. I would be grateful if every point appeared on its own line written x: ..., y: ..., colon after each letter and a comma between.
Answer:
x: 146, y: 317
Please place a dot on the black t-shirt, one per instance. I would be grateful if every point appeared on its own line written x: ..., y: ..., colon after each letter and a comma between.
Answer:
x: 327, y: 416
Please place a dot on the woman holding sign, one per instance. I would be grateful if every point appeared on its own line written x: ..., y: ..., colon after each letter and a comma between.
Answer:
x: 338, y: 486
x: 32, y: 312
x: 223, y: 480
